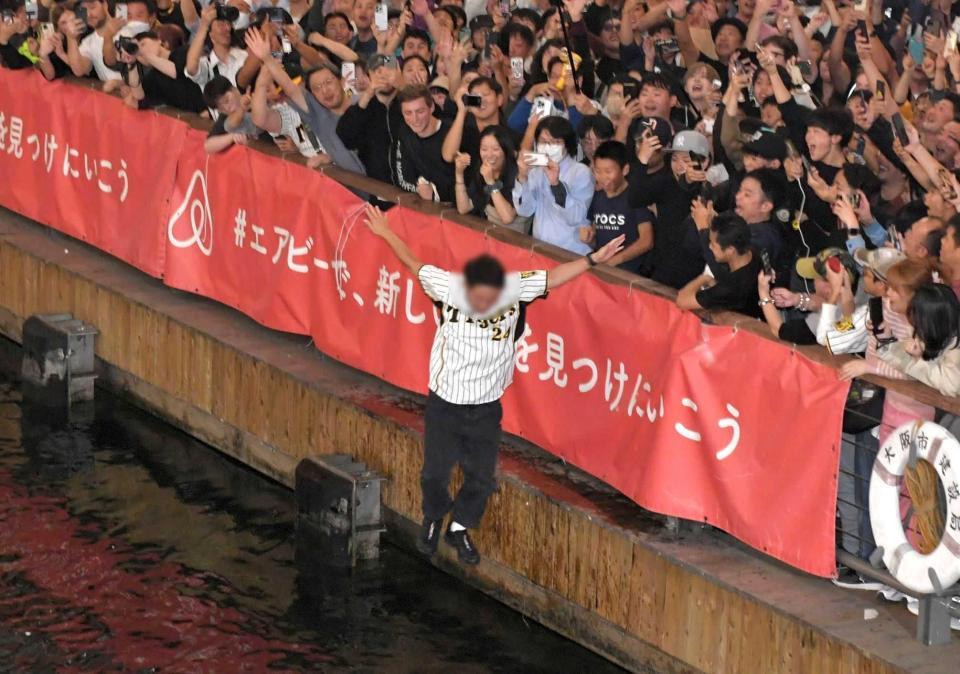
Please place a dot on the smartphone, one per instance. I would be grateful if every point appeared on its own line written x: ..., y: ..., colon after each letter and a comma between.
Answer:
x: 31, y: 9
x: 121, y: 11
x: 834, y: 263
x: 854, y: 198
x: 631, y: 90
x: 876, y: 313
x: 348, y: 73
x: 806, y: 163
x: 285, y: 45
x: 46, y: 28
x: 894, y: 236
x: 806, y: 67
x: 916, y: 49
x: 900, y: 129
x: 472, y: 100
x: 934, y: 26
x: 542, y: 106
x: 516, y: 68
x: 381, y: 16
x: 765, y: 261
x: 505, y: 8
x: 881, y: 93
x: 535, y: 158
x: 862, y: 28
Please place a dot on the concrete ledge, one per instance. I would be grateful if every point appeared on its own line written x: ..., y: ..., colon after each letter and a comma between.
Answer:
x: 559, y: 546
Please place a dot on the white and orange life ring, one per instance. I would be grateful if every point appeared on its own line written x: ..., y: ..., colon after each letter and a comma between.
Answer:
x: 913, y: 569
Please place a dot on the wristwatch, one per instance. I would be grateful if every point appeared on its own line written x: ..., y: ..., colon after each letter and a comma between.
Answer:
x: 853, y: 231
x: 590, y: 260
x: 493, y: 187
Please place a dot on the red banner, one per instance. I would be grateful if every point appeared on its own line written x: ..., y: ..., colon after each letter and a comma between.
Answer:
x: 86, y: 165
x: 700, y: 422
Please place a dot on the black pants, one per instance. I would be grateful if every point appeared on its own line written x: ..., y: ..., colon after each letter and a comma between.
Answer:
x: 464, y: 434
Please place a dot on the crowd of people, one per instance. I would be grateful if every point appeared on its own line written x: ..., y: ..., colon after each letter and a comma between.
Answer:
x: 793, y: 162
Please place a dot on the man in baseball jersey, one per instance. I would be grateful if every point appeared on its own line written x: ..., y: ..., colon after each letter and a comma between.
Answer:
x: 471, y: 364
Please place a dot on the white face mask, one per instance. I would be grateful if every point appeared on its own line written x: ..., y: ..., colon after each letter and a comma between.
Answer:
x: 554, y: 151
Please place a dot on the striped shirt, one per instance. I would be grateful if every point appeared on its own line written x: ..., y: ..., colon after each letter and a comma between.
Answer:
x: 472, y: 358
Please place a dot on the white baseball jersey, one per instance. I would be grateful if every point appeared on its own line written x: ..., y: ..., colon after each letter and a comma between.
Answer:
x: 472, y: 358
x: 292, y: 126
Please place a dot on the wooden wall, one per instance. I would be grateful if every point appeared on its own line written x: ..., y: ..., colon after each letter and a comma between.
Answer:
x: 602, y: 584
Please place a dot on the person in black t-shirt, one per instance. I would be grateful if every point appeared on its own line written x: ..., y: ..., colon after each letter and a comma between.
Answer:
x: 163, y: 81
x: 610, y: 213
x: 422, y: 168
x: 734, y: 288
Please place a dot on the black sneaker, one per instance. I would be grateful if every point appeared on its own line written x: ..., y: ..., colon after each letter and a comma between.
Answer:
x: 466, y: 551
x: 429, y: 537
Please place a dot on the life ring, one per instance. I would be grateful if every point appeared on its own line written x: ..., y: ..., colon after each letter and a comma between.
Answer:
x: 913, y: 569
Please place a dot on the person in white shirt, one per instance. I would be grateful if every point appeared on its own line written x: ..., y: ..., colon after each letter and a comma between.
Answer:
x: 223, y: 58
x: 86, y: 54
x: 482, y: 315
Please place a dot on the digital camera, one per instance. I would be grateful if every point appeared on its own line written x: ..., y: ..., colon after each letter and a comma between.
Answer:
x: 227, y: 13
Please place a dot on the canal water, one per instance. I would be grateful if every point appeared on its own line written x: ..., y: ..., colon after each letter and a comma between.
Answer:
x: 127, y: 546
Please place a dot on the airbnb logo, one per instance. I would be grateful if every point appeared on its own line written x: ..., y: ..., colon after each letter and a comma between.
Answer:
x: 201, y: 218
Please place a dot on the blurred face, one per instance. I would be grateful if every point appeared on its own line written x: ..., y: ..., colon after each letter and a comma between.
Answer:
x: 491, y: 153
x: 337, y: 30
x: 384, y: 80
x: 818, y: 142
x: 762, y: 87
x: 873, y: 285
x: 65, y: 21
x: 771, y: 116
x: 221, y: 33
x: 949, y: 251
x: 489, y: 102
x: 327, y: 89
x: 548, y: 55
x: 913, y: 240
x: 728, y: 41
x: 363, y: 12
x: 551, y: 27
x: 414, y: 46
x: 609, y: 175
x: 945, y: 150
x: 482, y: 298
x: 546, y: 139
x: 899, y: 298
x: 610, y: 34
x: 443, y: 20
x: 96, y: 13
x: 590, y: 142
x: 656, y: 102
x: 679, y: 161
x: 418, y: 115
x: 721, y: 255
x: 936, y: 205
x: 752, y: 205
x: 939, y: 114
x: 698, y: 85
x: 615, y: 99
x: 229, y: 102
x: 414, y: 72
x: 137, y: 11
x: 518, y: 47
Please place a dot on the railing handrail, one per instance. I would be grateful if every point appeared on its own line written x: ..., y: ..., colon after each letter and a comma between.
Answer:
x: 392, y: 194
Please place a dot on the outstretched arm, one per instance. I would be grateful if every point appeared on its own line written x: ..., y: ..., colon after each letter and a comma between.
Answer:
x: 571, y: 270
x: 377, y: 222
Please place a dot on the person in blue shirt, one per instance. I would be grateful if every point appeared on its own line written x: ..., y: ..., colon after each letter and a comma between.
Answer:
x: 558, y: 194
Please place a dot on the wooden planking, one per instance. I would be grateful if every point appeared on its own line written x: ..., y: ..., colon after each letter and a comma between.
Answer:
x: 601, y: 569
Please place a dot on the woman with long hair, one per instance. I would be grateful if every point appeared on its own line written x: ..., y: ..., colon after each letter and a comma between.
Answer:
x: 486, y: 190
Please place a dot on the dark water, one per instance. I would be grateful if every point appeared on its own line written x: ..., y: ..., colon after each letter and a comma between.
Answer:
x: 127, y: 546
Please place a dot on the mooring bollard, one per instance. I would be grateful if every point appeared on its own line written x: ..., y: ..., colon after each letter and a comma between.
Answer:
x: 58, y: 359
x: 338, y: 509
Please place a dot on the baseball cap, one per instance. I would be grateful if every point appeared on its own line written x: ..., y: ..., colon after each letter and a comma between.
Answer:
x: 658, y: 125
x: 766, y: 144
x: 816, y: 267
x: 441, y: 82
x: 380, y: 60
x: 691, y: 141
x: 878, y: 261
